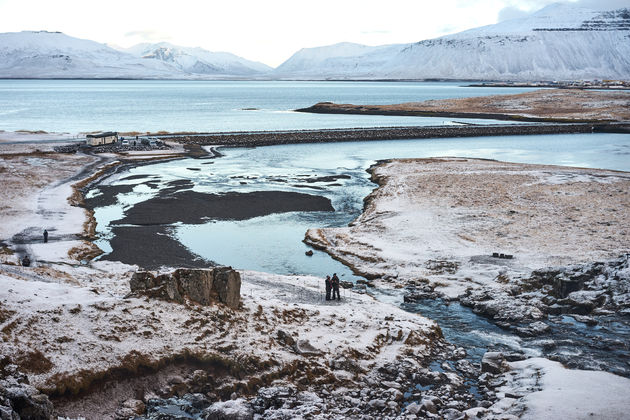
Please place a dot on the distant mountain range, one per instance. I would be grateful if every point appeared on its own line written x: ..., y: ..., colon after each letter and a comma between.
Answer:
x: 559, y: 42
x: 198, y: 60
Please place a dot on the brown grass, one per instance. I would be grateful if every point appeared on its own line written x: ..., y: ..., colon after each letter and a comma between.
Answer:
x: 34, y: 362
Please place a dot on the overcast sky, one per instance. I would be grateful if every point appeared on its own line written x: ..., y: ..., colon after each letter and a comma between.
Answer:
x: 269, y: 31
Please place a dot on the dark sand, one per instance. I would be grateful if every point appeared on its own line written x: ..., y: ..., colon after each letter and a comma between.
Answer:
x: 191, y: 207
x: 151, y: 247
x: 148, y: 243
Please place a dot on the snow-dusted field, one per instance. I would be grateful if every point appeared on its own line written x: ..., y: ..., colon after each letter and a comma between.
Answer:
x: 67, y: 325
x: 557, y: 104
x: 437, y: 219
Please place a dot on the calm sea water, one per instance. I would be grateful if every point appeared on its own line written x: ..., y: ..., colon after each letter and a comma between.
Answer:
x: 75, y: 106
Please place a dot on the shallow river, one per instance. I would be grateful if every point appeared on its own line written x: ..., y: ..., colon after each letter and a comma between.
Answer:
x: 274, y: 243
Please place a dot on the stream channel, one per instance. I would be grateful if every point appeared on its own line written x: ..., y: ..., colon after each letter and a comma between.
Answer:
x: 273, y: 243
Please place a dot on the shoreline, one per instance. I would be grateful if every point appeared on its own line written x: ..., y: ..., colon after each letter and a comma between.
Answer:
x: 543, y: 105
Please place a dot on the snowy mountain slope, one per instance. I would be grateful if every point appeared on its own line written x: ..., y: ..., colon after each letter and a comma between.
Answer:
x: 198, y: 60
x: 343, y: 58
x: 56, y: 55
x: 559, y: 42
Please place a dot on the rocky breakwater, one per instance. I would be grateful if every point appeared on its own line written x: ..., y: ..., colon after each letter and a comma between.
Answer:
x: 266, y: 138
x: 203, y: 286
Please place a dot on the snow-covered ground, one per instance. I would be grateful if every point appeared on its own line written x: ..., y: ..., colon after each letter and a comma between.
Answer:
x: 67, y: 325
x: 539, y: 389
x: 436, y: 221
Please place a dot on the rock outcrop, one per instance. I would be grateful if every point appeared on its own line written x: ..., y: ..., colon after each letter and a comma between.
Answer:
x: 19, y: 400
x: 203, y: 286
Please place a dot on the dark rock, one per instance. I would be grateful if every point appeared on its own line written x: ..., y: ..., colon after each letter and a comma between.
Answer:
x: 344, y: 363
x: 203, y: 286
x: 533, y: 329
x: 514, y: 357
x: 493, y: 362
x: 24, y: 401
x: 591, y: 322
x: 583, y: 302
x: 286, y: 339
x: 237, y: 409
x: 227, y: 283
x: 309, y: 253
x: 452, y: 414
x: 429, y: 406
x: 272, y: 397
x: 346, y: 284
x: 377, y: 403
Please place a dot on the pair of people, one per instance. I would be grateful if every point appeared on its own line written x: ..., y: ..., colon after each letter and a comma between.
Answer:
x: 332, y: 284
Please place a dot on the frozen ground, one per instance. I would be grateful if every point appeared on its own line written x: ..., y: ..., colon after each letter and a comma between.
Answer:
x: 560, y: 104
x: 439, y: 221
x: 286, y: 352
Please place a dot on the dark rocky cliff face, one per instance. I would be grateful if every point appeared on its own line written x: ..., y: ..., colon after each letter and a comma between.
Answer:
x: 203, y: 286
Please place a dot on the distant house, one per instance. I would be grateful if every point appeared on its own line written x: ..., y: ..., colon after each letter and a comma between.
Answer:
x: 101, y: 138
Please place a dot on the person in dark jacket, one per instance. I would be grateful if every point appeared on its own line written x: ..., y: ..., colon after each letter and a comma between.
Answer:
x: 45, y: 236
x: 26, y: 261
x: 335, y: 286
x: 328, y: 287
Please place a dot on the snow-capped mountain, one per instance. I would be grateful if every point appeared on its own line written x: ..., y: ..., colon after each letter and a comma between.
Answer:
x: 559, y: 42
x: 198, y: 60
x: 340, y: 59
x: 42, y: 54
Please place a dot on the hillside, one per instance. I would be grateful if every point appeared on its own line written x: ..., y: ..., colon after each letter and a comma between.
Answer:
x: 559, y: 42
x: 198, y: 60
x: 42, y: 54
x: 38, y: 55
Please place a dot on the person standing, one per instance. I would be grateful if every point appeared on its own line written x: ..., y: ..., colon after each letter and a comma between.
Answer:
x: 328, y: 287
x: 45, y: 236
x: 335, y: 286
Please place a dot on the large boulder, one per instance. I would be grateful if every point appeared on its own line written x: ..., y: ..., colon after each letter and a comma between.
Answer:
x: 237, y: 409
x: 203, y: 286
x: 23, y: 401
x: 493, y: 362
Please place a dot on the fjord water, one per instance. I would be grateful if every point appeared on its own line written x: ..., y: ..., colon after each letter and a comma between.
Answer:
x: 73, y: 106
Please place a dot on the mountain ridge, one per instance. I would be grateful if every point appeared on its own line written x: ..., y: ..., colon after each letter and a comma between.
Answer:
x: 559, y: 42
